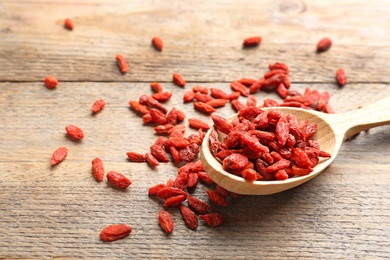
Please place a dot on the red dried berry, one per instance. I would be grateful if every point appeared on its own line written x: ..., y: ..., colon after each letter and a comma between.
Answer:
x: 324, y: 44
x: 139, y: 107
x: 154, y: 189
x: 97, y: 169
x: 59, y: 155
x: 135, y: 157
x: 51, y: 82
x: 168, y: 192
x: 68, y: 24
x: 178, y: 80
x: 158, y: 43
x: 122, y: 64
x: 174, y: 201
x: 151, y: 159
x: 118, y: 180
x: 252, y: 41
x: 74, y: 132
x: 162, y: 96
x: 156, y: 87
x: 216, y: 198
x: 166, y: 221
x: 203, y: 107
x: 98, y: 105
x: 115, y: 232
x: 239, y: 87
x: 212, y: 219
x: 204, y: 177
x: 189, y: 217
x: 198, y: 124
x: 198, y: 205
x: 218, y: 93
x: 341, y: 77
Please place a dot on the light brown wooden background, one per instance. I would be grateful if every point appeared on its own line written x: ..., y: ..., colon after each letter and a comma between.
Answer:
x: 58, y: 212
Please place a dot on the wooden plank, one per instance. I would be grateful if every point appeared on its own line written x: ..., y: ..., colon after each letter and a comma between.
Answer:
x: 59, y: 212
x: 202, y: 40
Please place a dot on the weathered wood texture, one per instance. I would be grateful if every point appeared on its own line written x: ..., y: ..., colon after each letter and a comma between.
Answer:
x: 58, y: 212
x: 202, y: 39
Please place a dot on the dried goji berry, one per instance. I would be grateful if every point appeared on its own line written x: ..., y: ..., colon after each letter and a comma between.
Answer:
x: 218, y: 93
x: 181, y: 181
x: 281, y: 175
x: 168, y: 192
x: 178, y: 80
x: 156, y: 87
x: 252, y: 41
x: 234, y: 95
x: 152, y: 103
x: 192, y: 179
x: 59, y: 155
x: 163, y: 129
x: 122, y: 64
x: 139, y: 107
x: 158, y: 43
x: 135, y: 157
x: 115, y: 232
x: 239, y: 87
x: 247, y: 81
x: 198, y: 205
x: 154, y: 189
x: 221, y: 124
x: 175, y: 154
x: 162, y: 96
x: 279, y: 165
x: 235, y: 161
x: 237, y: 104
x: 118, y: 180
x: 159, y: 153
x: 51, y: 82
x: 197, y: 123
x: 341, y: 77
x: 189, y: 217
x: 98, y: 105
x: 251, y: 175
x: 203, y: 107
x: 324, y: 44
x: 74, y: 132
x: 151, y: 159
x: 200, y: 89
x: 166, y: 221
x: 216, y: 198
x: 68, y: 24
x: 216, y: 103
x: 204, y: 177
x: 174, y: 201
x: 147, y: 118
x: 251, y: 101
x: 188, y: 96
x: 212, y: 219
x: 158, y: 117
x: 97, y: 169
x: 256, y: 85
x: 202, y: 97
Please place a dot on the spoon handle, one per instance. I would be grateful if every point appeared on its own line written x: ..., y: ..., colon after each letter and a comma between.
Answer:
x: 373, y: 115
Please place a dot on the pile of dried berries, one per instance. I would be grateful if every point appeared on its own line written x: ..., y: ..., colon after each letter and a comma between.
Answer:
x: 259, y: 144
x: 265, y: 145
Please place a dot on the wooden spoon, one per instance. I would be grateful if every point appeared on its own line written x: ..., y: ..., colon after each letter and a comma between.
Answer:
x: 333, y: 130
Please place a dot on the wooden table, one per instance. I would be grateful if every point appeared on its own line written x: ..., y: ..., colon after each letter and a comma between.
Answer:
x: 58, y: 212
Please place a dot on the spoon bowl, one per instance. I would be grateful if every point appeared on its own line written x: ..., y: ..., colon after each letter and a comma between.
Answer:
x: 333, y: 130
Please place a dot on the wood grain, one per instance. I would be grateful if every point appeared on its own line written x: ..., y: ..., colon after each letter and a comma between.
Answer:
x: 58, y: 212
x: 203, y: 40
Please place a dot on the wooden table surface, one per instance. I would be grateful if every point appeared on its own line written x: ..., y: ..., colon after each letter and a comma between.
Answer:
x: 58, y: 212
